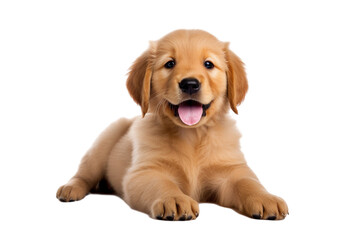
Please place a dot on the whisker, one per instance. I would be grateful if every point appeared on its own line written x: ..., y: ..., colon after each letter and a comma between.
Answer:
x: 159, y: 105
x: 162, y: 100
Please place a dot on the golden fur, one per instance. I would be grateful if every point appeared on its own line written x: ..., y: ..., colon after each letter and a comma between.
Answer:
x: 163, y: 167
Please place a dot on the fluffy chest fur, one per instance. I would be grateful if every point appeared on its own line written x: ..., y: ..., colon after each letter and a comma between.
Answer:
x: 185, y: 153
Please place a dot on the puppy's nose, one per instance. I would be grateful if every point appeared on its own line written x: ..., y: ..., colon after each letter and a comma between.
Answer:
x: 189, y: 85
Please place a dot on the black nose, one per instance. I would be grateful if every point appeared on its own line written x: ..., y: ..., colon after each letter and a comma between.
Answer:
x: 189, y: 85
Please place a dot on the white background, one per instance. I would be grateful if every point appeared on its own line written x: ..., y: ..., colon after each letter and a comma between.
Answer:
x: 63, y: 67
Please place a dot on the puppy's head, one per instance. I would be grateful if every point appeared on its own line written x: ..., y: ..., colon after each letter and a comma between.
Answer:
x: 188, y: 76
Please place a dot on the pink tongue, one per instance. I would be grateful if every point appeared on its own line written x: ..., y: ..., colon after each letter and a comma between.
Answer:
x: 190, y: 114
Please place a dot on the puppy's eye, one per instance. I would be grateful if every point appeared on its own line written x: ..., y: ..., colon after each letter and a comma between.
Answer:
x: 208, y: 65
x: 170, y: 64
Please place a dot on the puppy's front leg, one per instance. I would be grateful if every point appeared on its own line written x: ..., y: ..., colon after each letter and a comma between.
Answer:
x: 157, y: 194
x: 243, y: 192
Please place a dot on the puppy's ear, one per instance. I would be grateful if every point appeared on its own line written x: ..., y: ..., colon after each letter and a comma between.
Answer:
x: 237, y: 84
x: 139, y: 79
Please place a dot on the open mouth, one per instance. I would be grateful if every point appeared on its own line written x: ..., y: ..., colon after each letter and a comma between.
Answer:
x: 190, y: 112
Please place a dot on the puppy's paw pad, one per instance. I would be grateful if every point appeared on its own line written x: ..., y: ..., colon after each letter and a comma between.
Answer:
x: 175, y: 208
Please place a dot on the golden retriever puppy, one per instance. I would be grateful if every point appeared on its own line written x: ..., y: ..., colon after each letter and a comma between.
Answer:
x: 185, y: 148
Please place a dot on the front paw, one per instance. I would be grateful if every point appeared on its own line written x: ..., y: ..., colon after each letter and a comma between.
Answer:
x: 175, y: 208
x: 76, y: 189
x: 264, y: 205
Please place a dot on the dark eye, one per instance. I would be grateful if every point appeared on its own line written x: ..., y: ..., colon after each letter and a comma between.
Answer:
x: 208, y: 65
x: 170, y: 64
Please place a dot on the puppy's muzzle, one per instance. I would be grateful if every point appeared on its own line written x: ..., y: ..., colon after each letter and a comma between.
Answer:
x: 190, y: 85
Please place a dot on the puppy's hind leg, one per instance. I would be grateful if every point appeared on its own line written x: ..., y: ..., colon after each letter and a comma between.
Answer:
x: 93, y: 165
